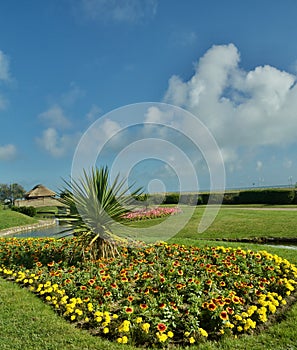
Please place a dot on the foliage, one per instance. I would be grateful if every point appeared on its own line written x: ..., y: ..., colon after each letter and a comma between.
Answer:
x: 171, y: 198
x: 96, y: 205
x: 154, y: 295
x: 29, y: 211
x: 11, y: 192
x: 267, y: 196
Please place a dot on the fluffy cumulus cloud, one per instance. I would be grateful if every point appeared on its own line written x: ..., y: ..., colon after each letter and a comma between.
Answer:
x: 55, y: 117
x: 240, y: 108
x: 8, y: 152
x: 129, y: 11
x: 55, y: 144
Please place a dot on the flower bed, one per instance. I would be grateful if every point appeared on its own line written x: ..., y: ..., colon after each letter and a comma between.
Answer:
x: 153, y: 213
x: 153, y: 295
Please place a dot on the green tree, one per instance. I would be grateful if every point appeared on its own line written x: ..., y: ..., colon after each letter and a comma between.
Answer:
x: 11, y: 192
x: 95, y: 206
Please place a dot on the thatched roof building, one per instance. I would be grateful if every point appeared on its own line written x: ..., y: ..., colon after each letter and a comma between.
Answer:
x: 39, y: 191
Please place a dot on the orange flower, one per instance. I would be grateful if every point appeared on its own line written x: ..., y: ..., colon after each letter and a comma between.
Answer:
x: 230, y: 310
x: 161, y: 327
x: 114, y: 285
x: 129, y: 310
x: 224, y: 316
x: 50, y: 264
x: 83, y: 287
x: 130, y: 298
x: 211, y: 306
x: 143, y: 306
x: 162, y: 306
x: 235, y: 300
x: 91, y: 281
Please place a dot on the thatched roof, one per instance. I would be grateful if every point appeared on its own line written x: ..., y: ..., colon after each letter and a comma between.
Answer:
x: 39, y: 191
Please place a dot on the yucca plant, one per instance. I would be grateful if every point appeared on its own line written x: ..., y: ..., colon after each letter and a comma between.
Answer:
x: 95, y: 206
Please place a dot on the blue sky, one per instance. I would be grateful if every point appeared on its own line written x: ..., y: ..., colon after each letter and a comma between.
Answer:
x: 232, y: 64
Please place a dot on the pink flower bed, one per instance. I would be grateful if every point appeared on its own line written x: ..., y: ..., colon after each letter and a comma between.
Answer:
x: 153, y: 213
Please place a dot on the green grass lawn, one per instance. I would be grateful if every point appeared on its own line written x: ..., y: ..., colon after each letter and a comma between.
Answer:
x: 231, y: 223
x: 27, y: 323
x: 9, y: 218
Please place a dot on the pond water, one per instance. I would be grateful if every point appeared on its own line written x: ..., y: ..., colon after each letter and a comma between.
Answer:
x: 282, y: 245
x: 54, y: 231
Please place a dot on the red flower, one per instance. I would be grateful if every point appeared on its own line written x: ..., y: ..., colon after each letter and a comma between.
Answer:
x: 91, y: 281
x: 143, y: 306
x: 52, y: 263
x: 83, y: 287
x: 130, y: 298
x: 161, y: 306
x: 161, y: 327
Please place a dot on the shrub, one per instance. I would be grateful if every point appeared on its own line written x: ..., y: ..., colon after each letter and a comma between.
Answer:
x: 267, y: 196
x: 171, y: 198
x: 29, y: 211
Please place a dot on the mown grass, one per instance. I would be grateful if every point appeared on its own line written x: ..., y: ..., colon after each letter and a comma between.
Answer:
x: 232, y: 223
x: 27, y: 323
x: 9, y: 218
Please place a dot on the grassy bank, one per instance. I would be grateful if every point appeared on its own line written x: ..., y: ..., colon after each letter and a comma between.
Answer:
x: 9, y: 218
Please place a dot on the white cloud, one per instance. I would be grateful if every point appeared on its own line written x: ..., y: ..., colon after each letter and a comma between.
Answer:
x: 71, y: 96
x: 4, y: 76
x: 94, y: 113
x: 4, y: 67
x: 55, y: 117
x: 184, y: 38
x: 8, y: 152
x: 259, y: 165
x: 129, y: 11
x: 3, y: 102
x: 56, y: 145
x: 240, y: 108
x: 287, y: 163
